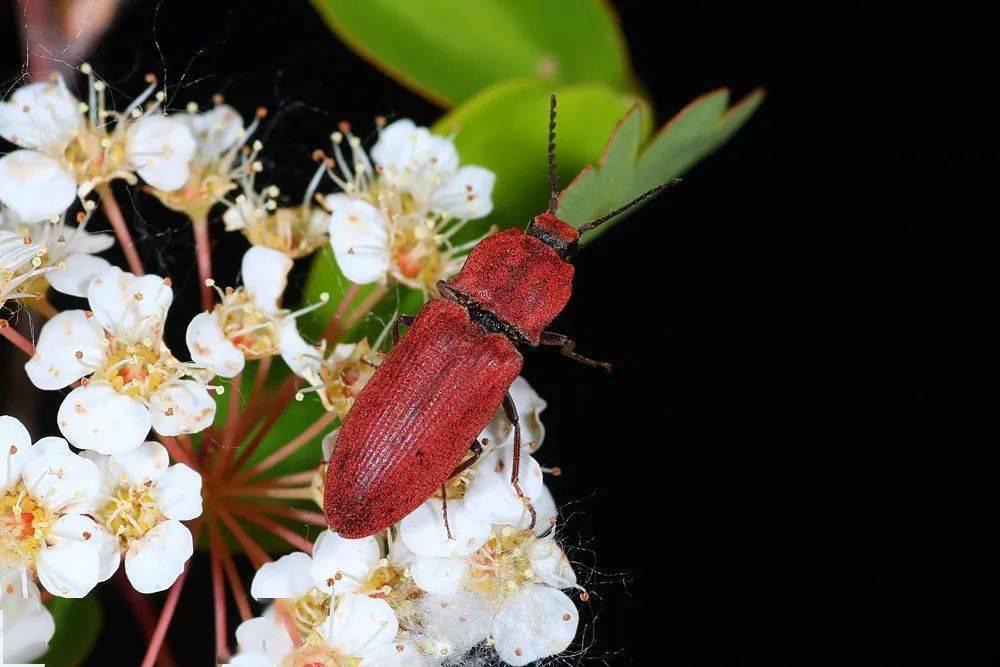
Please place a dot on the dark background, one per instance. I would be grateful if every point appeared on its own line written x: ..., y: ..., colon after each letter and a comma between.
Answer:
x: 769, y: 474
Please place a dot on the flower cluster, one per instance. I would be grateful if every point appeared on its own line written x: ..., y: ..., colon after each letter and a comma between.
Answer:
x: 151, y: 461
x: 430, y: 589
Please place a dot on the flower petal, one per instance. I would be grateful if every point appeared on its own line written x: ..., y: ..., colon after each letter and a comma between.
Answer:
x: 154, y: 561
x: 55, y: 364
x: 491, y: 493
x: 209, y: 346
x: 217, y: 131
x: 415, y: 160
x: 129, y: 306
x: 88, y: 243
x: 286, y: 578
x: 178, y: 493
x: 145, y: 463
x: 265, y: 275
x: 27, y: 624
x: 466, y: 196
x: 550, y: 565
x: 15, y: 446
x: 108, y: 553
x: 265, y: 638
x: 35, y: 185
x: 181, y: 407
x: 40, y: 115
x: 399, y: 653
x: 61, y: 480
x: 534, y: 623
x: 358, y: 625
x: 160, y: 148
x: 329, y: 442
x: 99, y: 418
x: 424, y: 532
x: 529, y: 409
x: 453, y: 624
x: 76, y: 273
x: 359, y: 234
x: 352, y: 560
x: 438, y: 576
x: 68, y: 566
x: 300, y: 356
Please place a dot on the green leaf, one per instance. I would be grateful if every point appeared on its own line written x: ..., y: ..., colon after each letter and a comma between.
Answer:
x: 78, y: 624
x: 448, y: 51
x: 505, y: 129
x: 627, y: 169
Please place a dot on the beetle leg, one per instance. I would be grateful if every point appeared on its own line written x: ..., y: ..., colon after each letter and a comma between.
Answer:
x: 405, y: 320
x: 511, y: 411
x: 568, y: 347
x: 444, y: 509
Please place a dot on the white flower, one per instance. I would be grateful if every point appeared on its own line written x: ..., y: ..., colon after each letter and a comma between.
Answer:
x: 479, y: 497
x: 338, y: 377
x: 44, y: 490
x: 139, y: 510
x: 69, y: 260
x: 21, y: 261
x: 394, y: 219
x: 529, y: 409
x: 361, y: 630
x: 27, y: 624
x: 297, y: 231
x: 244, y: 326
x: 134, y: 381
x: 68, y: 146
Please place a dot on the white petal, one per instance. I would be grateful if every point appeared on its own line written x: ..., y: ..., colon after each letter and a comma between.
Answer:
x: 109, y: 553
x: 399, y: 653
x: 534, y: 623
x: 359, y: 624
x: 237, y: 216
x: 55, y: 364
x: 76, y: 273
x: 178, y: 493
x: 27, y: 624
x: 69, y: 565
x: 265, y: 274
x: 359, y: 234
x: 145, y: 463
x: 300, y: 356
x: 99, y: 418
x: 438, y: 576
x: 40, y: 115
x: 545, y: 511
x: 181, y: 407
x: 550, y: 565
x: 61, y: 480
x: 491, y: 493
x: 160, y: 148
x: 35, y: 185
x: 107, y: 483
x: 424, y: 532
x: 88, y: 243
x: 264, y: 637
x: 154, y: 561
x: 329, y: 442
x: 209, y: 346
x: 529, y: 409
x: 415, y: 160
x: 453, y: 624
x: 15, y: 443
x: 395, y: 143
x: 467, y: 196
x: 131, y: 307
x: 286, y: 578
x: 217, y: 130
x: 354, y: 560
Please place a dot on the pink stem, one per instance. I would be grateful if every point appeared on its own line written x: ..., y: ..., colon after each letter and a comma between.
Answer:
x: 117, y: 220
x: 203, y: 253
x: 176, y: 451
x: 229, y: 565
x: 290, y: 448
x: 11, y: 334
x: 292, y: 513
x: 284, y: 532
x: 218, y: 596
x: 169, y: 607
x: 257, y: 555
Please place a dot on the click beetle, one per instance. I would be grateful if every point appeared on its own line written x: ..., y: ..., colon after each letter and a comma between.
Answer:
x: 428, y: 401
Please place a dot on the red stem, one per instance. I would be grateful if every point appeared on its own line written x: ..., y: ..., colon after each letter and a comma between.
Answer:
x: 203, y: 253
x: 117, y: 220
x: 284, y: 532
x: 290, y: 448
x: 14, y: 336
x: 280, y: 402
x: 257, y: 555
x: 229, y: 565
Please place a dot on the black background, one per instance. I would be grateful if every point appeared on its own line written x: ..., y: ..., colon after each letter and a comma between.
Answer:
x: 769, y: 474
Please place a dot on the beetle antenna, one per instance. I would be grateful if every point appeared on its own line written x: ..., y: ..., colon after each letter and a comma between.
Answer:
x: 553, y: 170
x: 652, y: 192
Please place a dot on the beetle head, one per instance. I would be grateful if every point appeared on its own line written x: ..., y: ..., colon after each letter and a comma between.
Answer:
x: 556, y: 234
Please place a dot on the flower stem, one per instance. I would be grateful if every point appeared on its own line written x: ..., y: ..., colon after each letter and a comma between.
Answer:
x: 337, y: 327
x: 333, y: 330
x: 218, y: 595
x: 229, y: 565
x: 117, y: 220
x: 255, y: 553
x: 43, y: 307
x: 203, y: 253
x: 176, y: 451
x: 144, y: 615
x: 14, y: 336
x: 292, y: 513
x: 286, y: 450
x: 284, y: 532
x: 167, y: 615
x: 279, y: 401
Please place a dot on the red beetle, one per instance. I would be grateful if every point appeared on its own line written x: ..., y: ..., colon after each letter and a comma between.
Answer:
x: 435, y: 392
